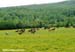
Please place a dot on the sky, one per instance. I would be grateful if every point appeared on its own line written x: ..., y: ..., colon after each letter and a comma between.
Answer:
x: 8, y: 3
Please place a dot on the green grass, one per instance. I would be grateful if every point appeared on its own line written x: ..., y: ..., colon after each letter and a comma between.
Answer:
x: 60, y: 40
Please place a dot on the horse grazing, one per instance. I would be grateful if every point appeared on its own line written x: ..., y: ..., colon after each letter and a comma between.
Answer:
x: 32, y: 30
x: 52, y: 29
x: 20, y: 31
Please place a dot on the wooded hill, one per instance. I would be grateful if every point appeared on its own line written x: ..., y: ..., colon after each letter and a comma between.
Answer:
x: 45, y: 15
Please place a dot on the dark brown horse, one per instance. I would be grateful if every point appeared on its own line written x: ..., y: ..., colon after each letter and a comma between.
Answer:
x: 32, y: 30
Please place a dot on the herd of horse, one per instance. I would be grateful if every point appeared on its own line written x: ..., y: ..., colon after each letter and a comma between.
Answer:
x: 33, y: 30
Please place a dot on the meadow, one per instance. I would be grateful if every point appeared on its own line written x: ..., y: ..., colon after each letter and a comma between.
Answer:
x: 59, y: 40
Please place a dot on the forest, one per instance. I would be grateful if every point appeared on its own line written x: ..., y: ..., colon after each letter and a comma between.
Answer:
x: 45, y: 15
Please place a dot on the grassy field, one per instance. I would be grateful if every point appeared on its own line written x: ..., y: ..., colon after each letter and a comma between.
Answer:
x: 60, y: 40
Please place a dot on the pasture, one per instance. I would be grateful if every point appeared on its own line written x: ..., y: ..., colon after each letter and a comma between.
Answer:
x: 59, y: 40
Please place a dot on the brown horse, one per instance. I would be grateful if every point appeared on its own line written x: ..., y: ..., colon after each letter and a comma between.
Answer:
x: 32, y: 30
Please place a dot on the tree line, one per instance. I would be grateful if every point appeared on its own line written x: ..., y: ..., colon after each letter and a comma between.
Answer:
x: 45, y: 15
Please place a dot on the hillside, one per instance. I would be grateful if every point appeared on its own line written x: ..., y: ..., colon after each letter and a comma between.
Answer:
x: 45, y: 15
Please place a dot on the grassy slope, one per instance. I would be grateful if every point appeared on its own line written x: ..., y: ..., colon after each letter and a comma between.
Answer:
x: 60, y: 40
